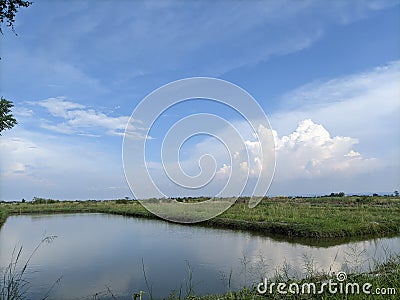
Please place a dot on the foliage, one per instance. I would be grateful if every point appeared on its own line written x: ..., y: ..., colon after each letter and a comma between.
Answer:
x: 7, y: 121
x: 122, y: 201
x: 3, y: 216
x: 341, y: 194
x: 37, y: 200
x: 383, y: 275
x: 8, y: 9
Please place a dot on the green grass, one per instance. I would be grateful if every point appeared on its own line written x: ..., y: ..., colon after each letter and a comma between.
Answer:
x: 319, y: 217
x: 3, y: 215
x: 322, y: 217
x: 385, y: 275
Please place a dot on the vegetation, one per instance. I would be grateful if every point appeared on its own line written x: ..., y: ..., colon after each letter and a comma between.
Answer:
x: 383, y: 277
x: 8, y: 9
x: 13, y: 282
x: 317, y: 217
x: 7, y: 121
x: 3, y: 216
x: 382, y: 281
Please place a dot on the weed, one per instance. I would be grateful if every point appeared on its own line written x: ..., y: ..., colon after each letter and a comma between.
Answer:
x: 13, y: 285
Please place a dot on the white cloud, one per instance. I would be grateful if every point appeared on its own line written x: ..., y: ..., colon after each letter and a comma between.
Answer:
x: 80, y: 119
x: 60, y: 128
x: 34, y: 164
x: 224, y: 171
x: 22, y: 111
x: 353, y: 153
x: 364, y: 106
x: 307, y: 152
x: 351, y: 87
x: 342, y: 134
x: 169, y: 37
x: 310, y: 152
x: 58, y: 107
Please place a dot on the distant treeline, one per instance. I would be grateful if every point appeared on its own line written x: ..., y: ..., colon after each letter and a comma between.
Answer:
x: 242, y: 199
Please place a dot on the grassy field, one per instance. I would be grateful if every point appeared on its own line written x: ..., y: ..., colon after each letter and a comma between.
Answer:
x: 322, y: 217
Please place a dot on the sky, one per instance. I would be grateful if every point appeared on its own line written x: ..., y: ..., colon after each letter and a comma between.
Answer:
x: 325, y: 73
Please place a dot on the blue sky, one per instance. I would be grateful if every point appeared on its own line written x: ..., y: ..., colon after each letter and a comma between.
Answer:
x: 326, y: 73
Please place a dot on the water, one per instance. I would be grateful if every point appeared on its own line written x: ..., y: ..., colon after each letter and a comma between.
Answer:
x: 94, y: 252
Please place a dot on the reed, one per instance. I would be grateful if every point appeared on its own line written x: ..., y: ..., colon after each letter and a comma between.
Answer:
x: 13, y: 282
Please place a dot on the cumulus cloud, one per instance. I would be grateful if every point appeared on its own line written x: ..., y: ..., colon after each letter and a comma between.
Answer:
x: 342, y: 134
x: 338, y: 134
x: 363, y: 105
x: 310, y: 152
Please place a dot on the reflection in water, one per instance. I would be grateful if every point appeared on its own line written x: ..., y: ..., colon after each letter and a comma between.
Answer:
x: 96, y: 251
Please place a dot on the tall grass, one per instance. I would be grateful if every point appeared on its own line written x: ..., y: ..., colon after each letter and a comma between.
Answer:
x: 3, y: 216
x: 13, y: 284
x: 383, y: 273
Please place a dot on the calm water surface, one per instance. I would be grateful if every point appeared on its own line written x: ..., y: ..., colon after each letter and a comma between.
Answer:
x: 96, y: 251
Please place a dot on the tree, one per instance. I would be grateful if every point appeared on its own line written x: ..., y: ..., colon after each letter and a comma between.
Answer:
x: 8, y: 9
x: 341, y: 194
x: 7, y: 120
x: 396, y: 193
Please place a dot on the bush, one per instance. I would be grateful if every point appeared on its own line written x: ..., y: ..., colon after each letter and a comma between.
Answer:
x: 121, y: 201
x: 37, y: 200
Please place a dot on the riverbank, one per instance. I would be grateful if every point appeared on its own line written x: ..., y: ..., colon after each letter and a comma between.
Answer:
x: 383, y: 282
x: 322, y: 217
x: 3, y: 216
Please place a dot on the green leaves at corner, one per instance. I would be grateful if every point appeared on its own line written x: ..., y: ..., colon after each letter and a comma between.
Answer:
x: 7, y: 120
